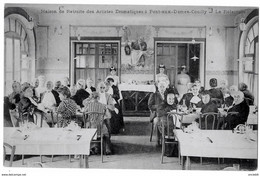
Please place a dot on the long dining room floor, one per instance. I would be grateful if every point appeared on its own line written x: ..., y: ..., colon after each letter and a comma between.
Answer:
x: 132, y: 149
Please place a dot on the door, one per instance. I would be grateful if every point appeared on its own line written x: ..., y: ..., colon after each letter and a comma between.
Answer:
x: 176, y: 55
x: 93, y: 60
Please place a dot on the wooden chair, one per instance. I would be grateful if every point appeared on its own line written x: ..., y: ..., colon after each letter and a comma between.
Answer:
x: 86, y: 118
x: 215, y: 120
x: 24, y: 117
x: 215, y: 125
x: 167, y: 138
x: 12, y: 148
x: 152, y: 128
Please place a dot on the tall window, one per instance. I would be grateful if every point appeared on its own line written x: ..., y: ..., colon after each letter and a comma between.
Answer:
x: 251, y: 55
x: 17, y: 64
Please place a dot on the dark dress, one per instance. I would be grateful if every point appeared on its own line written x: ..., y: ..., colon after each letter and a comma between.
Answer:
x: 249, y: 97
x: 80, y: 95
x: 187, y: 97
x: 26, y: 109
x: 233, y: 120
x: 163, y: 109
x: 216, y: 93
x: 7, y: 118
x: 117, y: 120
x: 154, y: 101
x: 207, y: 108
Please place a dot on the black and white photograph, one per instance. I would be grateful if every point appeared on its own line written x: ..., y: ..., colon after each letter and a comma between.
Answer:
x: 132, y: 87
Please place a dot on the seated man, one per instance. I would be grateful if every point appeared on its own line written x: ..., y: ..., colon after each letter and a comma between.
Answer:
x: 207, y: 107
x: 154, y: 101
x: 240, y: 105
x: 50, y: 100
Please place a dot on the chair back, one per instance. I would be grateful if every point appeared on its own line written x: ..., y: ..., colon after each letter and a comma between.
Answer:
x: 171, y: 122
x: 96, y: 117
x: 211, y: 121
x: 12, y: 148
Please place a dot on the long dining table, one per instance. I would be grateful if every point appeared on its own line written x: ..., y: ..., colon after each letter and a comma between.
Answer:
x: 51, y: 141
x: 216, y: 144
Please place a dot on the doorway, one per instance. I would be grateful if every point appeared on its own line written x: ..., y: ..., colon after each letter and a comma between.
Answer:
x: 93, y: 59
x: 176, y: 54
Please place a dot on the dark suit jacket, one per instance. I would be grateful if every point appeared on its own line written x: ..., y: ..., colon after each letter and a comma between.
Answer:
x: 154, y: 101
x: 240, y: 118
x: 56, y: 96
x: 80, y: 95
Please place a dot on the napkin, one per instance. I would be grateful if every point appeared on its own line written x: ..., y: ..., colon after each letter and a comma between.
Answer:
x: 195, y: 99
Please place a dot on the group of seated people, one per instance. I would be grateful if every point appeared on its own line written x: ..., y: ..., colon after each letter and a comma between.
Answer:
x: 235, y: 99
x: 47, y: 105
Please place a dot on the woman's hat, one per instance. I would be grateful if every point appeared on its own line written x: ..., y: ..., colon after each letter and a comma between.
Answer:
x: 161, y: 66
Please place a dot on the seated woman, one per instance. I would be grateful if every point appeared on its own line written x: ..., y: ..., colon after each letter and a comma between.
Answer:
x: 154, y: 101
x: 215, y: 93
x: 12, y: 103
x: 94, y: 106
x: 67, y: 109
x: 192, y: 99
x: 249, y: 97
x: 166, y: 106
x: 240, y: 106
x: 81, y: 93
x: 117, y: 121
x: 207, y: 107
x: 28, y: 106
x: 89, y: 86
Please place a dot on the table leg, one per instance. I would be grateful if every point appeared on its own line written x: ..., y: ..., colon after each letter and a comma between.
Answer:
x: 86, y: 161
x: 80, y: 161
x: 187, y: 163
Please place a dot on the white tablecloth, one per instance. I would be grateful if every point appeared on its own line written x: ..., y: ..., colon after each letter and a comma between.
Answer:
x: 141, y: 88
x: 225, y: 144
x: 49, y: 141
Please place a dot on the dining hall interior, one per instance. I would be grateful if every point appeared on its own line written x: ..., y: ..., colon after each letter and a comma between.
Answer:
x: 131, y: 87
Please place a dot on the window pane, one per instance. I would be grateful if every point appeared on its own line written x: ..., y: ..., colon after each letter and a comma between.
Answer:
x: 85, y: 48
x: 159, y: 49
x: 8, y: 66
x: 85, y: 61
x: 256, y: 58
x: 9, y: 55
x: 12, y: 24
x: 252, y: 49
x: 247, y: 45
x: 250, y: 35
x: 78, y: 48
x: 6, y: 24
x: 17, y: 60
x: 105, y: 61
x: 92, y: 49
x: 166, y: 50
x: 255, y: 27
